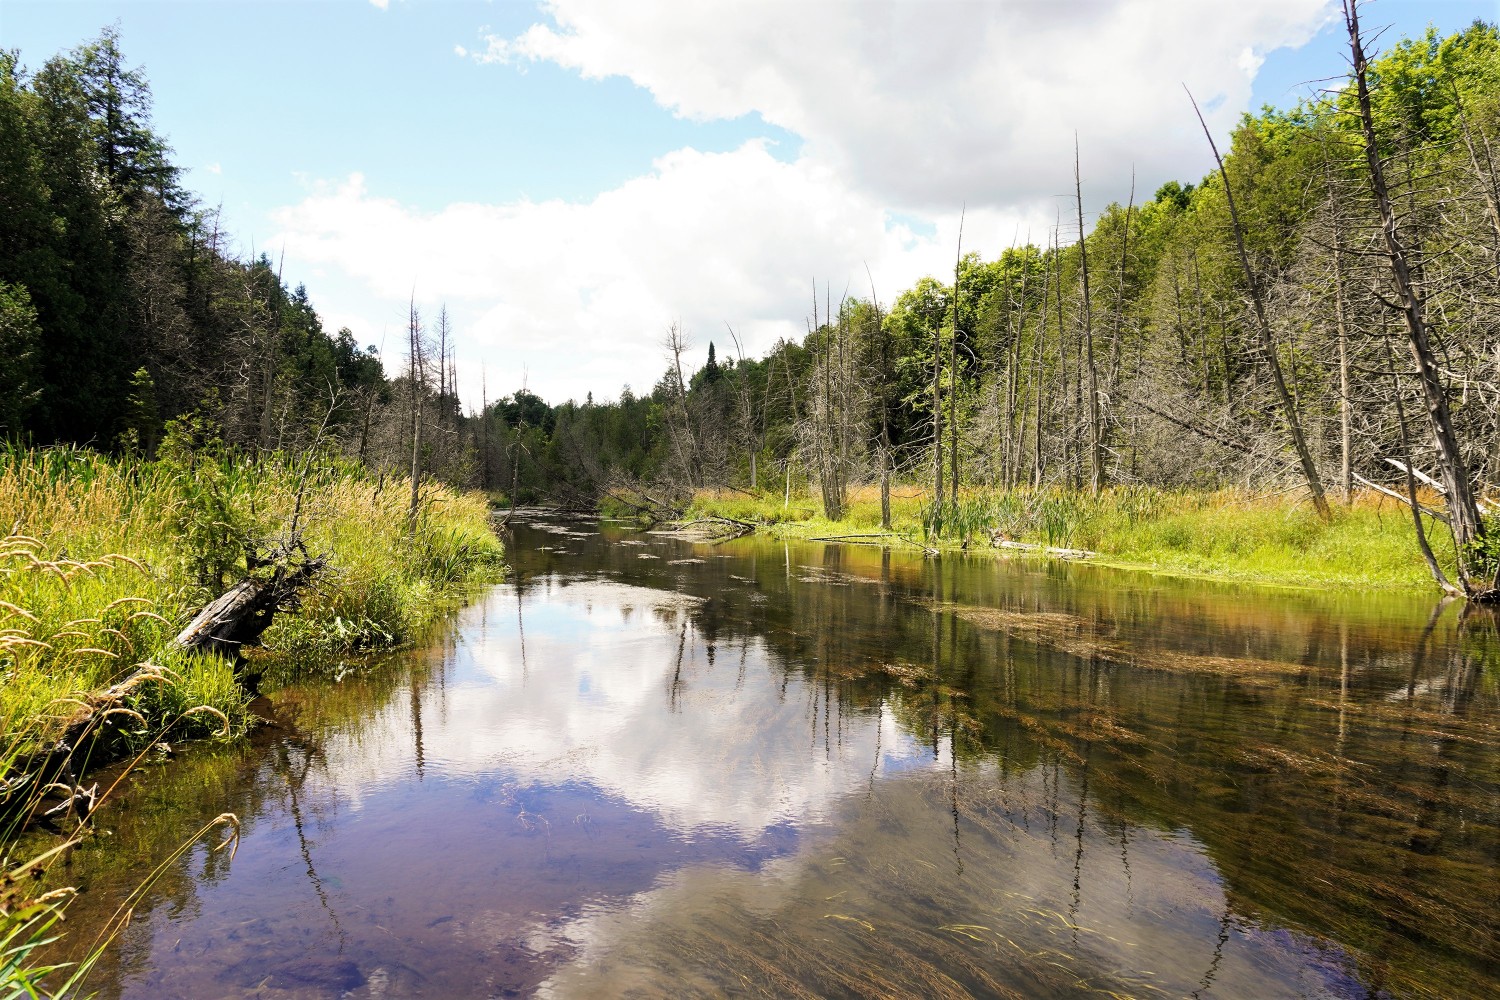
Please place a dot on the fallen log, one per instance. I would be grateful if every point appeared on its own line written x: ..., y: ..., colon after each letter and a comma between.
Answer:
x: 1397, y: 496
x: 736, y: 528
x: 235, y: 619
x: 240, y: 616
x: 1006, y: 543
x: 861, y: 539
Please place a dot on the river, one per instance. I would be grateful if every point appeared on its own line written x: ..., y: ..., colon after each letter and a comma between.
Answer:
x: 648, y: 767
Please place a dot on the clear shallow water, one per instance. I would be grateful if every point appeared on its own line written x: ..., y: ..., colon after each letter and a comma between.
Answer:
x: 653, y: 768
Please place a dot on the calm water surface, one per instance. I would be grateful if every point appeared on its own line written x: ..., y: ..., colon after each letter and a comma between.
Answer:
x: 652, y: 768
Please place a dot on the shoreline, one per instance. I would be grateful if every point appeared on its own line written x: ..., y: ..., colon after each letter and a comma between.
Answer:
x: 1221, y: 537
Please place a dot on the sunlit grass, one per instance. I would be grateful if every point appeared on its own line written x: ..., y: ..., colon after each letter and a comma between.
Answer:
x: 1229, y: 534
x: 108, y: 559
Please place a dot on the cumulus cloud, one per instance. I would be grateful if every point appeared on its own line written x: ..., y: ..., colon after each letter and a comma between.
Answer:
x: 580, y: 293
x: 931, y: 104
x: 906, y: 111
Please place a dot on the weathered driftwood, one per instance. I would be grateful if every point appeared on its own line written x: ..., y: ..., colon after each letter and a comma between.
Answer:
x: 734, y: 529
x: 875, y: 538
x: 239, y: 616
x: 1006, y: 543
x: 235, y: 619
x: 1385, y: 491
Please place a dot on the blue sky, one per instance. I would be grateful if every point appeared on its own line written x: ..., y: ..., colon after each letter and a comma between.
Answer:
x: 572, y: 178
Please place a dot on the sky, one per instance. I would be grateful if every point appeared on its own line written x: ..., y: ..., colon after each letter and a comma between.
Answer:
x: 571, y: 178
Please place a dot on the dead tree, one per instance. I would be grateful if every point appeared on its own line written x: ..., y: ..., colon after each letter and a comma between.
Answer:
x: 1267, y: 342
x: 953, y: 366
x: 883, y: 404
x: 1463, y: 512
x: 1096, y: 442
x: 417, y: 372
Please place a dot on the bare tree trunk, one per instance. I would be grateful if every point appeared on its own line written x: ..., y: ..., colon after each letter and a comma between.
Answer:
x: 1268, y: 345
x: 885, y: 408
x: 1411, y: 480
x: 1096, y: 441
x: 1062, y: 361
x: 272, y: 360
x: 1117, y: 325
x: 1039, y: 357
x: 418, y: 385
x: 1014, y: 433
x: 953, y: 365
x: 937, y: 416
x: 484, y: 428
x: 1463, y: 512
x: 684, y: 440
x: 1341, y: 323
x: 443, y: 388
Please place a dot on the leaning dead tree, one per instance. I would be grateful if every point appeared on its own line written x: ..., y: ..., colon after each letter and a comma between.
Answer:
x: 1463, y: 512
x: 1263, y: 332
x: 240, y: 616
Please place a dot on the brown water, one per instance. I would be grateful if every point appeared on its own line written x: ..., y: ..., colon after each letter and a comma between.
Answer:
x: 653, y: 768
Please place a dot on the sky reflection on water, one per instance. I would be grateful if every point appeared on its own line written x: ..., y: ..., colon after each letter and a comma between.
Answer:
x: 760, y: 770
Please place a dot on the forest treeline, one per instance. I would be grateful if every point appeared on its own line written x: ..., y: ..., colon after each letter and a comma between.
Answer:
x: 1249, y: 329
x: 124, y: 304
x: 1246, y: 329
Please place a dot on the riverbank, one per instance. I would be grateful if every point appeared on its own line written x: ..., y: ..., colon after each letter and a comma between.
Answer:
x: 1226, y: 535
x: 106, y: 559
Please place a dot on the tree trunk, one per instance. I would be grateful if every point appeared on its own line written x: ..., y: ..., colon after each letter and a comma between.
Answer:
x: 1463, y: 512
x: 953, y: 367
x: 1096, y: 441
x: 1268, y: 345
x: 418, y: 380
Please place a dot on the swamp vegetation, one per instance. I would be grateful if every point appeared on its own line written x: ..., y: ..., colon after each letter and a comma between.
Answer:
x: 108, y: 559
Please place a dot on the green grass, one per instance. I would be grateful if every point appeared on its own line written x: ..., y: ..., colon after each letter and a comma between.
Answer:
x: 1225, y: 535
x: 108, y: 558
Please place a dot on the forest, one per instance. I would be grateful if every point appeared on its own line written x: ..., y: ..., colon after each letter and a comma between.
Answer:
x: 1251, y: 328
x: 1283, y: 322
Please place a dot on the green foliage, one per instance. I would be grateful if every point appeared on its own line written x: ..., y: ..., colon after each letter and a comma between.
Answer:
x: 111, y: 558
x: 213, y: 506
x: 20, y: 340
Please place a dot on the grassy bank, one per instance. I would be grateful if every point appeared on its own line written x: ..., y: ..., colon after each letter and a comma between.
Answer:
x: 106, y: 560
x: 1227, y: 534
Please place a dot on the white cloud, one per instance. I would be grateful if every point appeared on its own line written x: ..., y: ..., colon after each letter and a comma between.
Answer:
x: 382, y: 4
x: 580, y: 293
x: 931, y: 104
x: 907, y: 111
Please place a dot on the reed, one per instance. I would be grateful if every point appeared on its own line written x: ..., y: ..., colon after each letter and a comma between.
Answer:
x: 108, y: 558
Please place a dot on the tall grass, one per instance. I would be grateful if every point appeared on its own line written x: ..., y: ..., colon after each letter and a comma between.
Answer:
x: 1229, y: 533
x: 106, y: 559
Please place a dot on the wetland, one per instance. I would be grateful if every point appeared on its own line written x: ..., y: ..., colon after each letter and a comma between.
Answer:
x: 651, y: 767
